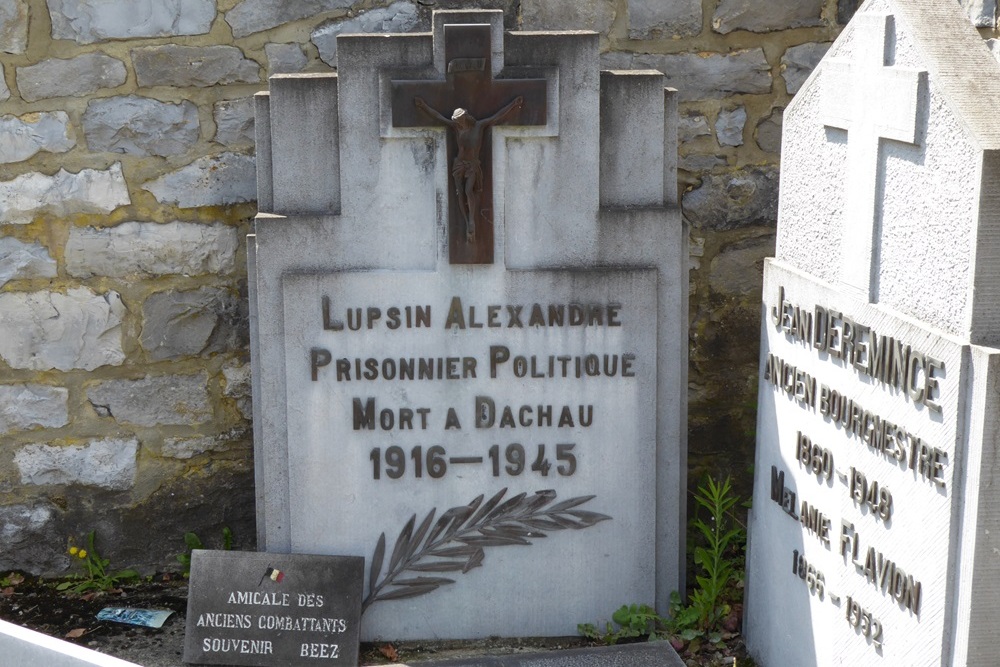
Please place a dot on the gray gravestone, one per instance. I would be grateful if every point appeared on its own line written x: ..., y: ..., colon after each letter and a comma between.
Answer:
x: 874, y: 533
x: 469, y: 338
x: 273, y: 609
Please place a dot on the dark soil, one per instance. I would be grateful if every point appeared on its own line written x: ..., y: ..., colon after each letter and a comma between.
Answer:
x: 36, y: 604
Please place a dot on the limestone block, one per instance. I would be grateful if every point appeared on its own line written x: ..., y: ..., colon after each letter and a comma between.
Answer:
x: 729, y: 126
x: 238, y: 387
x: 663, y: 18
x: 72, y: 77
x: 186, y: 448
x: 90, y: 191
x: 798, y: 63
x: 616, y: 60
x: 25, y: 406
x: 696, y: 250
x: 28, y: 533
x: 982, y: 12
x: 140, y: 126
x: 30, y: 134
x: 690, y: 126
x: 201, y: 66
x: 88, y: 21
x: 13, y: 26
x: 4, y: 89
x: 769, y: 132
x: 108, y: 463
x: 397, y: 17
x: 846, y: 10
x: 201, y: 321
x: 738, y: 269
x: 152, y: 401
x: 45, y: 330
x: 20, y: 260
x: 744, y: 198
x: 213, y: 180
x: 696, y: 162
x: 766, y: 15
x: 285, y: 58
x: 250, y: 16
x: 994, y: 46
x: 568, y: 15
x: 151, y: 249
x: 699, y: 76
x: 234, y: 122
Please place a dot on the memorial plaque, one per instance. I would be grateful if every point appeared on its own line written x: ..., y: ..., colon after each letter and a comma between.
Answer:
x: 873, y: 529
x: 485, y: 406
x: 273, y: 609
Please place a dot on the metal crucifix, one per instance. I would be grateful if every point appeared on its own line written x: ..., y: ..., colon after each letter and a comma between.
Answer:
x: 469, y: 101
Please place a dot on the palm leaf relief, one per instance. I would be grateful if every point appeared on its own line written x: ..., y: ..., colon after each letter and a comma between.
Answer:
x: 458, y: 538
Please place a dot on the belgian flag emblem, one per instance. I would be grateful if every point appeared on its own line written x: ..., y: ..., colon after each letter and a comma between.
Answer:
x: 272, y: 574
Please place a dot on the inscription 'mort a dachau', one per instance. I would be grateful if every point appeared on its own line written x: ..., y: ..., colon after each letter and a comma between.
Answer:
x: 410, y: 393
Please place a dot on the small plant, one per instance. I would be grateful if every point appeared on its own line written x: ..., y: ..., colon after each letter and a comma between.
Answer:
x: 95, y: 575
x: 194, y: 542
x: 9, y: 583
x: 717, y: 564
x: 633, y: 621
x: 719, y: 559
x: 12, y: 579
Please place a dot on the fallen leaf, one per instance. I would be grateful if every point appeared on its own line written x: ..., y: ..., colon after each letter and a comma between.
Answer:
x: 389, y: 651
x: 87, y: 597
x: 15, y: 579
x: 76, y: 633
x: 7, y: 592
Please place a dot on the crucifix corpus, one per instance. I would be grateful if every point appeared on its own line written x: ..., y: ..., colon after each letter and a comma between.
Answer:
x: 469, y: 101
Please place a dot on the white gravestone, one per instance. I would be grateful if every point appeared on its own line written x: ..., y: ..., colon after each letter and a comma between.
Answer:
x: 874, y: 531
x: 490, y: 407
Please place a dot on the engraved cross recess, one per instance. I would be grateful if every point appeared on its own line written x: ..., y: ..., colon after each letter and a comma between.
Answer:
x: 468, y: 102
x: 872, y: 101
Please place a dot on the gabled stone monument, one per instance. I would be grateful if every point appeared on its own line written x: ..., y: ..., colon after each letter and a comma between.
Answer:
x: 875, y: 534
x: 468, y: 292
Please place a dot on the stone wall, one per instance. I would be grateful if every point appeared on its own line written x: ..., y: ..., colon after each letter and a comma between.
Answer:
x: 127, y: 187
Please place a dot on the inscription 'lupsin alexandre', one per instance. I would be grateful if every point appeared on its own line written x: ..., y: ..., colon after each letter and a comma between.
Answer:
x: 462, y: 316
x: 500, y: 360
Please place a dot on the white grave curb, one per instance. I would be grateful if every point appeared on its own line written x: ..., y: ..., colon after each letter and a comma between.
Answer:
x: 21, y: 646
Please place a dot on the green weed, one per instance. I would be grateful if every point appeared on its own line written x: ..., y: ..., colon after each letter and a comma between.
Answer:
x: 95, y: 575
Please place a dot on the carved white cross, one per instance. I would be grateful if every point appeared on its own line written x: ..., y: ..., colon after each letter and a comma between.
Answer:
x: 872, y: 101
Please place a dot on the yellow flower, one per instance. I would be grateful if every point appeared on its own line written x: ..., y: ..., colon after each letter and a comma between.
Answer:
x: 83, y: 553
x: 72, y: 551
